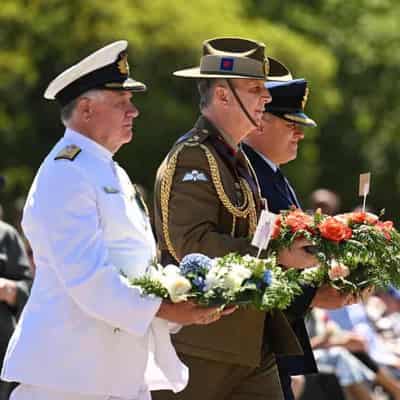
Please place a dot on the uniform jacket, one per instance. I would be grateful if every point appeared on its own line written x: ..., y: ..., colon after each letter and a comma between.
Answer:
x: 84, y: 329
x: 281, y: 196
x: 14, y: 265
x: 207, y: 201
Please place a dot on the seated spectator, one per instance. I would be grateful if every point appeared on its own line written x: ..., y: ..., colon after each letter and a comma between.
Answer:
x: 376, y: 355
x: 332, y: 356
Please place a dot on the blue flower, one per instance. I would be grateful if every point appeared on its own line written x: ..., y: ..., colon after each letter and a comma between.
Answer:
x: 195, y: 263
x: 199, y: 282
x: 267, y: 278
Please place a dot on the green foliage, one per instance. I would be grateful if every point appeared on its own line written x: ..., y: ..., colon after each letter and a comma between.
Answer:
x: 360, y: 134
x: 354, y: 251
x: 150, y: 287
x: 40, y: 38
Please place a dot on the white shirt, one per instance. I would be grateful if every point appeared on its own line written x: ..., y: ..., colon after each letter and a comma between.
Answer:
x: 84, y: 329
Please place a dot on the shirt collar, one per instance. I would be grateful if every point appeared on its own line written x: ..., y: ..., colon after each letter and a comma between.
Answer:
x: 88, y: 144
x: 229, y: 141
x: 273, y: 166
x: 204, y: 122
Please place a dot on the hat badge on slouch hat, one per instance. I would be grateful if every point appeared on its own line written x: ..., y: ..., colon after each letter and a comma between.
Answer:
x: 235, y: 57
x: 289, y: 100
x: 106, y: 68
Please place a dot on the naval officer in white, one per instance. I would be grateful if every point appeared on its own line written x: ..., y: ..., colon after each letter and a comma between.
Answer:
x: 85, y: 333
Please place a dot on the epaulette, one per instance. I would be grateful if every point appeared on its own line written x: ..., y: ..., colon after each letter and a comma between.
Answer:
x: 68, y: 153
x: 197, y: 137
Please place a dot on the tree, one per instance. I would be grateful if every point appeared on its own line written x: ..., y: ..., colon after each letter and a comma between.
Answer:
x: 361, y: 133
x: 39, y: 39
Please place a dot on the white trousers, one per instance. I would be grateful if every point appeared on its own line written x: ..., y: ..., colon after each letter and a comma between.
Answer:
x: 30, y: 392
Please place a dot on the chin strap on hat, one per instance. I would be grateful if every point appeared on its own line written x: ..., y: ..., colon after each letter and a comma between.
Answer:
x: 241, y: 104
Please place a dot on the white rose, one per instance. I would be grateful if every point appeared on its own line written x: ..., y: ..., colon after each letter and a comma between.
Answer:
x: 171, y: 270
x: 178, y: 288
x: 214, y: 277
x: 235, y: 277
x: 155, y: 273
x: 177, y: 285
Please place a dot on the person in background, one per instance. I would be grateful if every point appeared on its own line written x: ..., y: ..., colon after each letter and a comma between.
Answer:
x: 15, y: 284
x: 332, y: 353
x: 368, y: 346
x: 269, y: 147
x: 325, y: 199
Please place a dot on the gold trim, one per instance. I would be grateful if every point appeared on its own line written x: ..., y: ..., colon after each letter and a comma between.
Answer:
x: 166, y: 185
x: 246, y: 210
x: 300, y: 120
x: 305, y: 98
x: 123, y: 65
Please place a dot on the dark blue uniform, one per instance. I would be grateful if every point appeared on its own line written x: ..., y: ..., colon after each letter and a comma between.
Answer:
x: 281, y: 196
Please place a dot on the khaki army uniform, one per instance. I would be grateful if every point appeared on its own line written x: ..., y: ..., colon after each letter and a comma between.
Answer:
x: 207, y: 200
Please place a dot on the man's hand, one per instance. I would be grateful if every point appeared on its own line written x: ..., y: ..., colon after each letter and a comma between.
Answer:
x: 353, y: 342
x: 329, y: 298
x: 189, y: 313
x: 296, y: 256
x: 8, y: 291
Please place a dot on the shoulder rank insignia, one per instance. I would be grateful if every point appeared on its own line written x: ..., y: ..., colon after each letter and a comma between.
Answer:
x: 195, y: 176
x: 110, y: 189
x: 68, y: 153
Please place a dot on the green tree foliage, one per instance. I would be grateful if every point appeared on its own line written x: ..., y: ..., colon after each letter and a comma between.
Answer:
x: 40, y: 38
x: 361, y: 133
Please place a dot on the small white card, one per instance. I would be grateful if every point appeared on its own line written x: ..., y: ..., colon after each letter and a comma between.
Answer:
x: 364, y: 185
x: 263, y: 231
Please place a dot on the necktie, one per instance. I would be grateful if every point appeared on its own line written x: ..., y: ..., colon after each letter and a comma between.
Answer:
x: 283, y: 185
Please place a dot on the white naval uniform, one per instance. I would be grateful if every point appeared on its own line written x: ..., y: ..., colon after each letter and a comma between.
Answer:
x: 84, y: 329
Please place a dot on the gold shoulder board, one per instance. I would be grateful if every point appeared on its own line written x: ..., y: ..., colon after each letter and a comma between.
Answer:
x: 68, y: 153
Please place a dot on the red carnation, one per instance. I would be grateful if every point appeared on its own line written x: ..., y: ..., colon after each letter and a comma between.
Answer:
x: 297, y: 220
x: 333, y: 229
x: 276, y: 229
x: 361, y: 217
x: 385, y: 228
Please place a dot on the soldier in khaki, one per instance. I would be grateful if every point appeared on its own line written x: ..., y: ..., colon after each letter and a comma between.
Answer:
x: 207, y: 200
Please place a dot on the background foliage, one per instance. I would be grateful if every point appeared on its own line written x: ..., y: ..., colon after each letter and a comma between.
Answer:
x: 348, y: 51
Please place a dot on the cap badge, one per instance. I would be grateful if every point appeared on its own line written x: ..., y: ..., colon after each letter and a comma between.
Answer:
x: 123, y: 65
x: 305, y: 98
x: 266, y: 67
x: 227, y: 64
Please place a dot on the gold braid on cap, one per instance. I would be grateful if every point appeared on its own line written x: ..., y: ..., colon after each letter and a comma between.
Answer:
x: 246, y: 210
